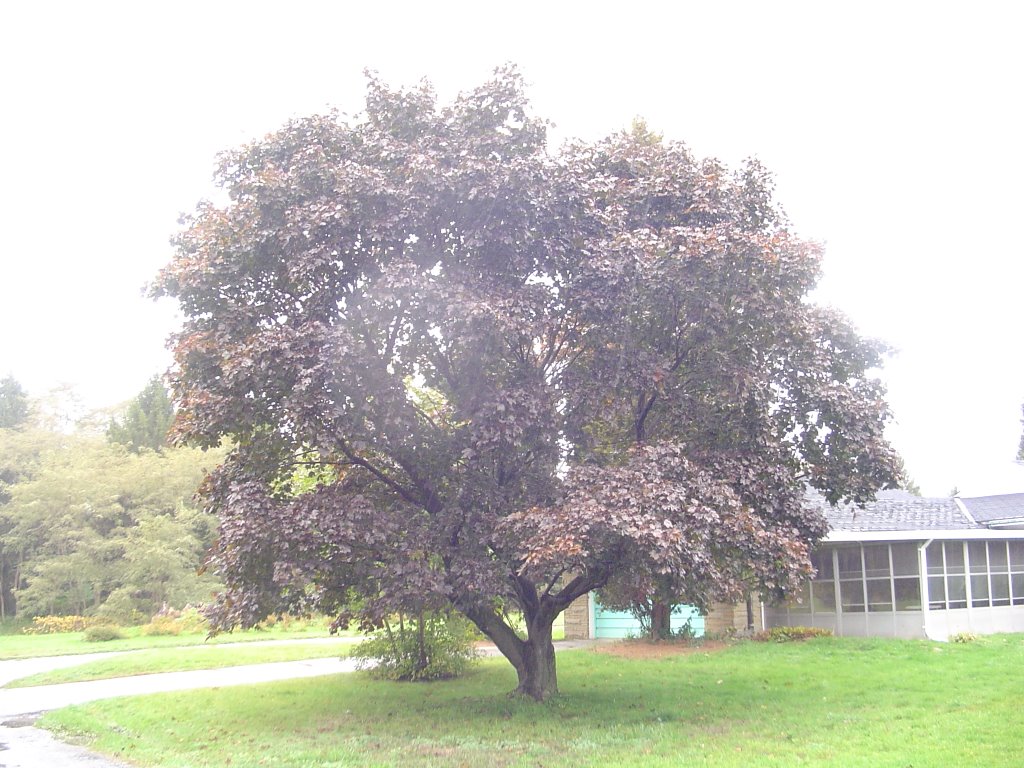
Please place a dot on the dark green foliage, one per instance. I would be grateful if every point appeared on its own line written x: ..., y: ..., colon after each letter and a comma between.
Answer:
x: 94, y: 528
x: 427, y: 647
x: 908, y: 483
x: 102, y: 633
x: 13, y: 404
x: 146, y: 422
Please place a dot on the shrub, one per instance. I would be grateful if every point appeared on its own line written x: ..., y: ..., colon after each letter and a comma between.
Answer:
x: 428, y: 647
x: 789, y: 634
x: 102, y: 633
x: 52, y: 625
x: 120, y: 609
x: 162, y: 625
x: 963, y: 637
x: 192, y: 620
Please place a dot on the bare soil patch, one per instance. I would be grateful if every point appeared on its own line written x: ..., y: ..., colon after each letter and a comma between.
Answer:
x: 645, y: 649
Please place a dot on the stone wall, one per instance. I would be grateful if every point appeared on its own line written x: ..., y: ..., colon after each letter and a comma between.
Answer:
x: 577, y: 619
x: 724, y: 617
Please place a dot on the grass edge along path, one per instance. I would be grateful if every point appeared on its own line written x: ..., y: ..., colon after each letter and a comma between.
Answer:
x: 22, y: 646
x: 185, y: 659
x: 859, y: 703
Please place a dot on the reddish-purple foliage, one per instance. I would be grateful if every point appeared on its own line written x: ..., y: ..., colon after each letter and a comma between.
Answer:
x: 459, y: 370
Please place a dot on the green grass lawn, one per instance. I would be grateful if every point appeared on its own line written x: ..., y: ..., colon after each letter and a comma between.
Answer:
x: 19, y: 646
x: 182, y: 659
x: 838, y: 702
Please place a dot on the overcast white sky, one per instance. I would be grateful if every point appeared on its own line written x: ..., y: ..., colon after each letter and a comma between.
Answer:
x: 894, y: 130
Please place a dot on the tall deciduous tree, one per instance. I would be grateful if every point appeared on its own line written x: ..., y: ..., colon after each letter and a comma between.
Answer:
x: 95, y: 527
x: 147, y: 420
x: 516, y: 376
x: 13, y: 403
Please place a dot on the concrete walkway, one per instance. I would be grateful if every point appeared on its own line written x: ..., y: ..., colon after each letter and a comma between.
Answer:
x: 27, y: 701
x: 15, y: 669
x: 22, y: 746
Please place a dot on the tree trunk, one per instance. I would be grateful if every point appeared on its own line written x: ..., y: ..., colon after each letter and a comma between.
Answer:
x: 536, y: 670
x: 533, y: 658
x: 661, y: 620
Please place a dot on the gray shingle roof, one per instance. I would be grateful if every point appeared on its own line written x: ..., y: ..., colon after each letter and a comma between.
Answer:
x: 895, y: 511
x: 990, y: 509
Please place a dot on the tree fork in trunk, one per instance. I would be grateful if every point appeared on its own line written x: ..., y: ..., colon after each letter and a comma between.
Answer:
x: 533, y: 658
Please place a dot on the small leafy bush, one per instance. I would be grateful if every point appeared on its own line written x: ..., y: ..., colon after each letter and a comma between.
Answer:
x: 170, y: 621
x: 162, y: 625
x: 963, y: 637
x: 192, y: 620
x: 428, y: 647
x: 53, y: 625
x: 789, y: 634
x: 102, y: 633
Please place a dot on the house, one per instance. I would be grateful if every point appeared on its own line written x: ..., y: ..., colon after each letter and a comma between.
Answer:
x: 903, y: 566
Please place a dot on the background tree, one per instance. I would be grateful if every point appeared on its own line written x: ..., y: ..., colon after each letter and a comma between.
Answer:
x: 13, y: 404
x: 21, y: 451
x: 95, y: 528
x: 147, y: 420
x: 528, y: 375
x: 1020, y: 448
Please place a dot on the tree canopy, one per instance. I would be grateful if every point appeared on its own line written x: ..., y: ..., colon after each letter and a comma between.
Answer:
x: 146, y: 421
x: 13, y: 403
x: 513, y: 375
x: 87, y: 527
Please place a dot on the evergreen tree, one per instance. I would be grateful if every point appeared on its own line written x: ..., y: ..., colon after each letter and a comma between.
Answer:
x: 13, y: 404
x: 147, y: 420
x: 1020, y: 448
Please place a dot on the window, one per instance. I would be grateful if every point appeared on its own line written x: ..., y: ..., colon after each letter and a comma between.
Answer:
x: 851, y: 593
x: 884, y: 578
x: 823, y: 597
x: 904, y: 560
x: 879, y: 595
x: 850, y: 565
x: 1015, y: 550
x: 991, y: 572
x: 876, y: 561
x: 908, y: 594
x: 822, y: 562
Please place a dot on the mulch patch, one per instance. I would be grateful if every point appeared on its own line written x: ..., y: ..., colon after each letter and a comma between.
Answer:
x: 645, y: 649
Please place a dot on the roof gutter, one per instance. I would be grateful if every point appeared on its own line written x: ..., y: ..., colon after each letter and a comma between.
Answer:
x: 839, y: 537
x: 1010, y: 522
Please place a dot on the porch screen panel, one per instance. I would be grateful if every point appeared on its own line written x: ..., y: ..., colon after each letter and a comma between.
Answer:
x: 956, y: 581
x: 851, y: 579
x: 1016, y: 553
x: 936, y: 576
x: 878, y: 577
x: 999, y: 570
x: 905, y: 582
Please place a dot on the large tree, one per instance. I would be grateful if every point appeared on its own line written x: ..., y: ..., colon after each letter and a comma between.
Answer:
x: 90, y: 526
x: 146, y: 420
x: 515, y: 376
x: 13, y: 403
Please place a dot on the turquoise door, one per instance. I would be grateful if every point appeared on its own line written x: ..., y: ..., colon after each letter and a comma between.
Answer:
x: 620, y: 624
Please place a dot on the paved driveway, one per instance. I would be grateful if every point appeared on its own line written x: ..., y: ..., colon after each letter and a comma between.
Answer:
x: 23, y: 746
